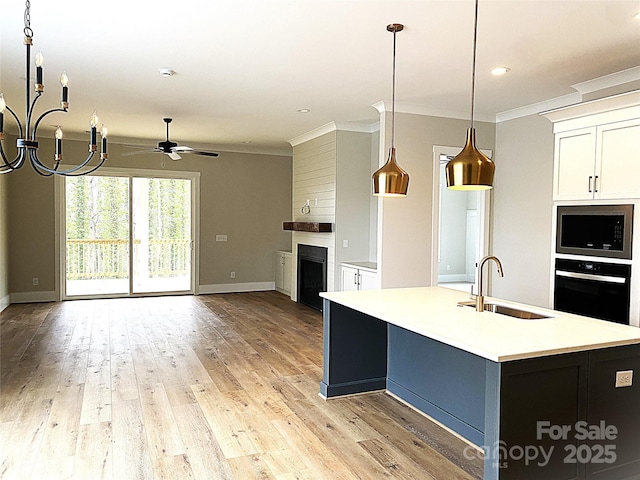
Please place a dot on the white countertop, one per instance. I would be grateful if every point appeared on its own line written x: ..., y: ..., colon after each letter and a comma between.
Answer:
x: 373, y: 266
x: 434, y: 313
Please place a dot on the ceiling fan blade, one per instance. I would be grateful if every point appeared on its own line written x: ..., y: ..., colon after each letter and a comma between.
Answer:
x: 182, y: 149
x: 139, y: 152
x: 174, y: 156
x: 205, y: 153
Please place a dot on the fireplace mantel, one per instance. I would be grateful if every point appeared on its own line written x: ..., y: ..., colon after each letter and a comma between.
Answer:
x: 320, y: 227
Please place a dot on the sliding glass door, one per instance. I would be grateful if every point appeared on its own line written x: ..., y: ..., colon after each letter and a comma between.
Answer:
x: 161, y: 235
x: 128, y: 235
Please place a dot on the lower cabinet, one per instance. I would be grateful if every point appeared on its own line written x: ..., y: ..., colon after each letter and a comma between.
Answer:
x: 354, y: 277
x: 569, y: 418
x: 284, y: 272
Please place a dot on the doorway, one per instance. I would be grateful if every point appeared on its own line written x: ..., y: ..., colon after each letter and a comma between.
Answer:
x: 128, y: 234
x: 460, y: 226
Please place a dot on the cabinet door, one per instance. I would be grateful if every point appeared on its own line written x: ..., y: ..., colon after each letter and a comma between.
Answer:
x: 574, y: 164
x: 368, y: 280
x: 287, y: 273
x: 618, y: 160
x: 279, y: 269
x: 349, y: 278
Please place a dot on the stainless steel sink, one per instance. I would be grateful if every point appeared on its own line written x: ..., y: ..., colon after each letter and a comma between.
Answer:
x: 506, y: 310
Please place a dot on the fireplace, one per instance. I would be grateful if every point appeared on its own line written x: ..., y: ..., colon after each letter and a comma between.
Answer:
x: 312, y: 275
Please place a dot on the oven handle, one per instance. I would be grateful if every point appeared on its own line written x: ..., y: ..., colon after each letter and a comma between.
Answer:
x: 589, y: 276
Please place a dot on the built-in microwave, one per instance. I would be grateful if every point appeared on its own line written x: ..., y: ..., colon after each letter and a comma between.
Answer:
x: 597, y: 230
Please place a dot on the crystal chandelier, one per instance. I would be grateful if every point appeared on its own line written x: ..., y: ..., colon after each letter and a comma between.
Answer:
x: 27, y: 143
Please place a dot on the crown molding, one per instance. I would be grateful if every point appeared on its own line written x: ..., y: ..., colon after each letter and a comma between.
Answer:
x: 583, y: 88
x: 608, y: 81
x: 537, y: 108
x: 413, y: 109
x: 600, y: 105
x: 335, y: 126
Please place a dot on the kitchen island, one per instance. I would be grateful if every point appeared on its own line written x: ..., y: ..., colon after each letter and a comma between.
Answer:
x: 539, y: 396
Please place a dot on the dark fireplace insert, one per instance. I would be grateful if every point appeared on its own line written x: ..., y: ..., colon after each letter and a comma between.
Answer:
x: 312, y: 275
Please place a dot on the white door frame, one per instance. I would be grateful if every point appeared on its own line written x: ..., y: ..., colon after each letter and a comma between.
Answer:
x: 60, y: 224
x: 484, y: 211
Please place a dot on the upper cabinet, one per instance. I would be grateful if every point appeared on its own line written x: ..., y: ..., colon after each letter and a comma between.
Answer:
x: 597, y: 149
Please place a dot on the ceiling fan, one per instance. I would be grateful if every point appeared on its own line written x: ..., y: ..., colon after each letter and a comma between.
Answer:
x: 172, y: 149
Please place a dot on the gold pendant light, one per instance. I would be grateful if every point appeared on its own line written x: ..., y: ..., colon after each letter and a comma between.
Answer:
x: 390, y: 180
x: 471, y: 169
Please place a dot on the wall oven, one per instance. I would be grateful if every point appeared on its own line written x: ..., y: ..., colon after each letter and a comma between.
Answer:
x: 595, y: 230
x: 594, y: 289
x: 600, y: 287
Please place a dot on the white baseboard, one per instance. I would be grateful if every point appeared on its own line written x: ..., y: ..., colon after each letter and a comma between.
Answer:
x: 33, y: 297
x: 5, y: 302
x: 236, y: 287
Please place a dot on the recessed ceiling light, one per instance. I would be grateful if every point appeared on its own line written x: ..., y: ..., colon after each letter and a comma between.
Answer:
x: 303, y: 110
x: 637, y: 15
x: 167, y: 72
x: 247, y: 142
x: 500, y: 70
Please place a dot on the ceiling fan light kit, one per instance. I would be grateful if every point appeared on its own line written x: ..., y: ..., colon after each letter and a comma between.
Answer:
x: 471, y: 169
x: 27, y: 143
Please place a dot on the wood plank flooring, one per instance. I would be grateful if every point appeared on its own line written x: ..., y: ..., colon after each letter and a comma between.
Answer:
x: 209, y: 387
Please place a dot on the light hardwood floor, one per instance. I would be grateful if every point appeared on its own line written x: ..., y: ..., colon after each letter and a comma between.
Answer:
x: 208, y: 387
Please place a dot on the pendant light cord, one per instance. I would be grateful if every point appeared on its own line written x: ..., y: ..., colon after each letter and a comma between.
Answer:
x: 393, y: 93
x: 473, y: 67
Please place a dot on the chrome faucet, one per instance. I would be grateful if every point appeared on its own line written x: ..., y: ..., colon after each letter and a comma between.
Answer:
x: 479, y: 298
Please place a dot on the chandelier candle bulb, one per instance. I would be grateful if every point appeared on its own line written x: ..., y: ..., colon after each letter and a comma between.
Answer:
x: 58, y: 156
x: 94, y: 133
x: 64, y: 81
x: 2, y: 107
x: 104, y: 133
x: 39, y: 62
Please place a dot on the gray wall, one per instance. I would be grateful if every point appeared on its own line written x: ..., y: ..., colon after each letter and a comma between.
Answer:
x: 405, y: 231
x: 353, y: 197
x: 4, y: 243
x: 523, y: 209
x: 245, y: 196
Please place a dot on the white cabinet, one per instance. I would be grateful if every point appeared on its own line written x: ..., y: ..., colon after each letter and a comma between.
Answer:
x: 598, y: 162
x: 574, y: 164
x: 596, y: 149
x: 284, y: 272
x: 356, y: 276
x: 618, y: 160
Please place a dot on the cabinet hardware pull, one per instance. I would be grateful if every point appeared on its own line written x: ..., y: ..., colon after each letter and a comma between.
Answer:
x: 355, y: 279
x: 590, y: 180
x: 595, y: 184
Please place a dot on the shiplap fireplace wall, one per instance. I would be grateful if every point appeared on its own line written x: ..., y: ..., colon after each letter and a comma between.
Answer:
x: 332, y: 169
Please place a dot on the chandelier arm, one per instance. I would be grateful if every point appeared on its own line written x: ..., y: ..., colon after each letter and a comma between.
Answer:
x: 15, y: 164
x: 30, y: 114
x: 93, y: 169
x: 40, y: 167
x: 35, y: 126
x: 13, y: 114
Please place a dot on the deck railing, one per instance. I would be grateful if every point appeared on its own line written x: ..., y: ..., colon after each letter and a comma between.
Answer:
x: 109, y: 259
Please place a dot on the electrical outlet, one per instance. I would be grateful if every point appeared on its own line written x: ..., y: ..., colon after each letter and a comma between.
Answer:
x: 448, y: 267
x: 233, y: 274
x: 221, y: 238
x: 345, y: 243
x: 35, y: 281
x: 624, y: 378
